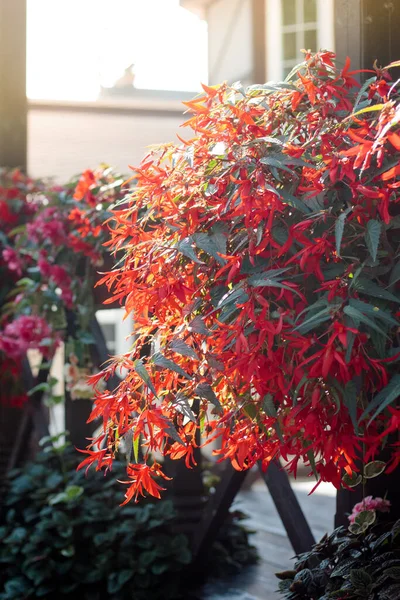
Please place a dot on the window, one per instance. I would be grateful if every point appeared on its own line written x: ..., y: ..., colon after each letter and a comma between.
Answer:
x: 116, y: 330
x: 294, y: 25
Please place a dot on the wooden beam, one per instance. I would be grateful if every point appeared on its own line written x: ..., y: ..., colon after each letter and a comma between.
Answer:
x: 215, y: 513
x: 288, y: 507
x: 217, y: 508
x: 347, y: 16
x: 13, y: 105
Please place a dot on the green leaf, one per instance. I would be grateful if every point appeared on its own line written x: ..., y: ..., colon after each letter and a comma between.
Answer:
x: 198, y: 326
x: 293, y: 201
x: 16, y: 588
x: 343, y: 567
x: 350, y: 401
x: 395, y: 274
x: 143, y: 374
x: 53, y: 401
x: 135, y: 446
x: 372, y: 235
x: 339, y: 228
x: 311, y: 459
x: 204, y: 390
x: 373, y: 311
x: 182, y: 404
x: 236, y: 295
x: 269, y: 274
x: 352, y: 480
x: 17, y: 536
x: 360, y: 578
x: 172, y: 432
x: 181, y: 347
x: 358, y: 317
x: 208, y: 245
x: 392, y: 592
x: 393, y: 572
x: 58, y: 498
x: 262, y: 281
x: 117, y: 580
x: 373, y: 469
x: 364, y: 88
x: 373, y: 108
x: 274, y: 162
x: 86, y: 337
x: 40, y: 387
x: 250, y: 411
x: 269, y: 406
x: 370, y: 288
x: 385, y: 397
x: 161, y: 361
x: 280, y: 234
x: 73, y: 492
x: 185, y: 247
x: 366, y: 516
x: 219, y: 236
x: 313, y: 322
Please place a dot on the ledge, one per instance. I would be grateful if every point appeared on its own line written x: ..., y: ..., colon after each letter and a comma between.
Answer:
x: 144, y: 102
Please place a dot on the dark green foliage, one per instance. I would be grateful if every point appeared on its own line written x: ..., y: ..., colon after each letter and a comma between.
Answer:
x: 231, y: 552
x: 346, y: 566
x: 63, y: 535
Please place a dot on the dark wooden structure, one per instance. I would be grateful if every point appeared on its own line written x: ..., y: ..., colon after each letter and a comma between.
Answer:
x: 367, y: 31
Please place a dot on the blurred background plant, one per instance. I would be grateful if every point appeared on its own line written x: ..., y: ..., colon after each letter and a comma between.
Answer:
x: 51, y: 247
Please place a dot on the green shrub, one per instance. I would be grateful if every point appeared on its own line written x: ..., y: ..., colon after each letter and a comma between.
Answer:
x: 346, y: 565
x: 63, y: 535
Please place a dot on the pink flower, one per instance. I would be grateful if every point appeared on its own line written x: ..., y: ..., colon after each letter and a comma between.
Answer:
x: 59, y: 276
x: 13, y: 260
x: 48, y: 226
x: 369, y: 503
x: 44, y: 267
x: 28, y: 332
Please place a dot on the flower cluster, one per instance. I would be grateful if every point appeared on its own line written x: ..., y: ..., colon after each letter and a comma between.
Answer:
x: 261, y: 268
x: 51, y: 245
x: 24, y: 333
x: 369, y: 503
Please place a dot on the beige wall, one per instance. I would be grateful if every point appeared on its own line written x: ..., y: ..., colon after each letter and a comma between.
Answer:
x: 230, y: 46
x: 64, y: 142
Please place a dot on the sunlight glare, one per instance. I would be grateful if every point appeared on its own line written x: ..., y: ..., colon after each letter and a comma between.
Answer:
x: 75, y: 46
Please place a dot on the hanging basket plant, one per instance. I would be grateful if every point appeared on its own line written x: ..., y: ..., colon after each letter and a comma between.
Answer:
x: 262, y: 263
x: 51, y: 252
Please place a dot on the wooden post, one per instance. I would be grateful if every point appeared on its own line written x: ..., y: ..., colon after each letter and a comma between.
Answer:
x: 380, y: 40
x: 347, y: 15
x: 13, y: 104
x: 367, y: 31
x: 259, y: 39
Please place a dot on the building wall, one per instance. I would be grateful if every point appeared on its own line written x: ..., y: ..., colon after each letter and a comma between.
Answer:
x: 63, y: 141
x: 230, y: 47
x: 231, y: 43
